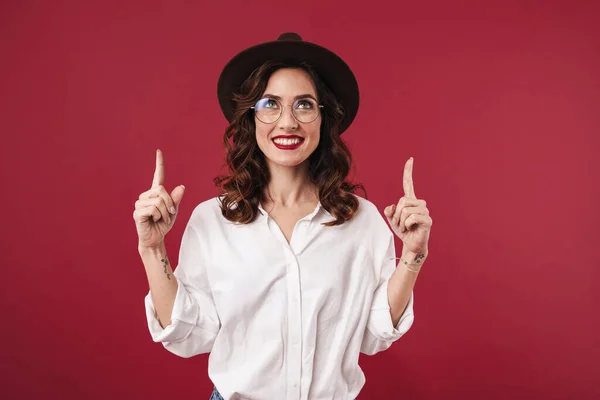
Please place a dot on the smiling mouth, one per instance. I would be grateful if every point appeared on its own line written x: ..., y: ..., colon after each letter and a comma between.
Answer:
x: 288, y: 141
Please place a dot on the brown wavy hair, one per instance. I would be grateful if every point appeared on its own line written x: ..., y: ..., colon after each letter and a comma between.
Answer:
x: 243, y: 188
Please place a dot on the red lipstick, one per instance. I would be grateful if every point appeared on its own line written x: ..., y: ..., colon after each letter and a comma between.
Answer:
x: 288, y: 146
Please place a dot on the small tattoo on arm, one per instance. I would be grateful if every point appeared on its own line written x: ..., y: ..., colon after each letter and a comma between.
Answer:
x: 419, y: 257
x: 165, y: 262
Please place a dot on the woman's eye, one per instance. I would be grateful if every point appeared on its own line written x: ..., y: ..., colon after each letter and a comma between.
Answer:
x: 271, y: 104
x: 304, y: 104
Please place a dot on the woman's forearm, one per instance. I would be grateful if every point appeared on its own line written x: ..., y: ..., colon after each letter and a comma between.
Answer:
x: 401, y: 284
x: 162, y: 282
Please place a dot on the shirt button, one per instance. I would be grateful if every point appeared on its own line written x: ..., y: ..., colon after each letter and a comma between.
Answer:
x: 294, y: 385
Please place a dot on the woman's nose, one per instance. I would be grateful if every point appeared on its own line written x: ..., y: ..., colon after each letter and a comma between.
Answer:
x: 287, y: 120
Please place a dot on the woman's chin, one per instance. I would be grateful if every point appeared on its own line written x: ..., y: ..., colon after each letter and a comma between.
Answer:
x: 288, y: 162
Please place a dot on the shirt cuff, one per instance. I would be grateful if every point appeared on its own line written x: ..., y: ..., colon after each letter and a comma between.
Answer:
x: 183, y: 318
x: 381, y: 321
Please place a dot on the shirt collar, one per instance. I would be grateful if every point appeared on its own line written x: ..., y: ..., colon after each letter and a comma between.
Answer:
x: 318, y: 208
x: 261, y: 209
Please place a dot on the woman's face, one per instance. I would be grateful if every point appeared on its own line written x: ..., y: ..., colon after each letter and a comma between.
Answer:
x: 288, y: 142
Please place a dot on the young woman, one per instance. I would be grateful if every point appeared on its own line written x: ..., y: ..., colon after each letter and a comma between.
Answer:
x: 287, y: 275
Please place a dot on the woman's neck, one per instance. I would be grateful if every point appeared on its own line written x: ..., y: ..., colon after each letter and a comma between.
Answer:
x: 290, y: 186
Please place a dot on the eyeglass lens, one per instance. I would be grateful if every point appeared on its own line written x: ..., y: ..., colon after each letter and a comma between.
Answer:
x: 269, y: 110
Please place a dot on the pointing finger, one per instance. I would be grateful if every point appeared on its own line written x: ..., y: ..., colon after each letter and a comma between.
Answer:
x: 159, y: 171
x: 407, y: 181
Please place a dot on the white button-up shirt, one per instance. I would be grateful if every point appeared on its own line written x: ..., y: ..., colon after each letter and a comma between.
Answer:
x: 283, y: 321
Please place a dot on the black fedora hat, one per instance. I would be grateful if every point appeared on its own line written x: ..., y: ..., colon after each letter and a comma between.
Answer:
x: 290, y: 48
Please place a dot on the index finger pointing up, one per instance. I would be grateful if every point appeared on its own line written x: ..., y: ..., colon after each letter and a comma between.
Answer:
x: 159, y: 171
x: 409, y: 189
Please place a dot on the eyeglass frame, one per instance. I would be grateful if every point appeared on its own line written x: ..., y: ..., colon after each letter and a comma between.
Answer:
x: 283, y: 107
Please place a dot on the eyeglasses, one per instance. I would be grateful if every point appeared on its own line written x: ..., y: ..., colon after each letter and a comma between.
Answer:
x: 268, y: 110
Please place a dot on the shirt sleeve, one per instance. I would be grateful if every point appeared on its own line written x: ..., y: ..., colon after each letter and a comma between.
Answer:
x: 194, y: 319
x: 380, y: 333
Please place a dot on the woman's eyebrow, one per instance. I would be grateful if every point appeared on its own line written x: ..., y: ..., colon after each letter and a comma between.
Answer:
x: 300, y: 96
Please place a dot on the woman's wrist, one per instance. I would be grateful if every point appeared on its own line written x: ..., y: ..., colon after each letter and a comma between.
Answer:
x: 413, y: 261
x: 158, y: 250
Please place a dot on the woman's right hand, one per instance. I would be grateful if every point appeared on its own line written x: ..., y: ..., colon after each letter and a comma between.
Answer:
x: 156, y: 210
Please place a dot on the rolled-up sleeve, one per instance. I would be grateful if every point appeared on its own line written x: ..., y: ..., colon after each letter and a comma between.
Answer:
x: 380, y: 332
x: 194, y: 319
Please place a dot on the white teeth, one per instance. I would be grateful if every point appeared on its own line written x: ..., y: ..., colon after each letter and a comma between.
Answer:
x: 286, y: 142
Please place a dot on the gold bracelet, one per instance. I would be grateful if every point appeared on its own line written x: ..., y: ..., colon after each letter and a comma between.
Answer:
x: 409, y: 265
x: 413, y: 270
x: 417, y: 264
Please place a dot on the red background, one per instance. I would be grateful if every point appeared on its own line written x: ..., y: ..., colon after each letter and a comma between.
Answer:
x: 498, y: 103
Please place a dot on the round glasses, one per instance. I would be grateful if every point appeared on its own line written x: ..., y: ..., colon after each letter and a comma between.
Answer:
x: 269, y: 110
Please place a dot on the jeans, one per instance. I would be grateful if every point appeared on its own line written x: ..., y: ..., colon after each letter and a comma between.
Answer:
x: 215, y: 395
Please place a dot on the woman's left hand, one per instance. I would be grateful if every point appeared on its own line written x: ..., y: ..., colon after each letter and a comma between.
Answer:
x: 410, y: 219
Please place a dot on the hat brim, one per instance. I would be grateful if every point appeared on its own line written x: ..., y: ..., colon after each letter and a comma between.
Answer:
x: 333, y: 71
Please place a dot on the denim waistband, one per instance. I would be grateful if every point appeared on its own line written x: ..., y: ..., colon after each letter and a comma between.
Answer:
x: 215, y: 395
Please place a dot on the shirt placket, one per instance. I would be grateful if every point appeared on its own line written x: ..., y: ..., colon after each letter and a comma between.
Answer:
x: 294, y: 348
x: 294, y: 313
